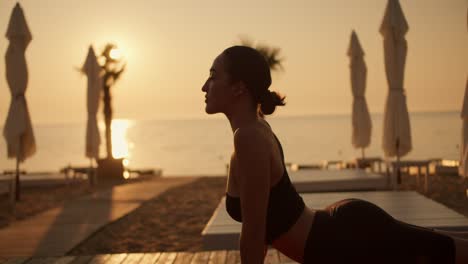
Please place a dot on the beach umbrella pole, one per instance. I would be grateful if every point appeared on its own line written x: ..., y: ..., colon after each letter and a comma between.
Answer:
x: 17, y: 178
x: 17, y: 182
x: 13, y: 190
x: 95, y: 175
x: 91, y: 178
x: 398, y: 161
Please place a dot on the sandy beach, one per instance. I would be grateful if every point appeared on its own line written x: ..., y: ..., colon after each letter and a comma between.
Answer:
x: 171, y: 222
x: 174, y: 220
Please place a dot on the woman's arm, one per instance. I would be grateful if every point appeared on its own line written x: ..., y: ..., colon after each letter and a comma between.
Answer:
x: 253, y: 163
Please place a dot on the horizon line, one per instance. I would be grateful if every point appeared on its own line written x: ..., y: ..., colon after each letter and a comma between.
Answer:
x: 212, y: 117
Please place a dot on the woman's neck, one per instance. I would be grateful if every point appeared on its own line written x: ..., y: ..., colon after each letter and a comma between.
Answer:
x: 242, y: 118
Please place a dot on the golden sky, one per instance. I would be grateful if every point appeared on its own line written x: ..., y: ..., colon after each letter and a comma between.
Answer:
x: 169, y: 47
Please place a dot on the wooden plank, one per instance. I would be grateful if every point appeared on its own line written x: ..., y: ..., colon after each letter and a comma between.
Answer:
x: 150, y: 258
x: 82, y: 259
x: 35, y: 260
x: 167, y: 258
x: 116, y: 258
x: 285, y: 259
x: 233, y: 257
x: 2, y: 260
x: 49, y: 260
x: 64, y: 260
x: 272, y: 256
x: 183, y: 258
x: 201, y: 257
x: 100, y: 259
x: 133, y: 258
x: 40, y: 260
x: 18, y: 260
x: 218, y: 256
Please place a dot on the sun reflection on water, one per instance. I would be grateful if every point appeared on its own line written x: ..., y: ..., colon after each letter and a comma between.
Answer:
x: 120, y: 143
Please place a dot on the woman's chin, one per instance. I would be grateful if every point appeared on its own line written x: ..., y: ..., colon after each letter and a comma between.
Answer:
x: 210, y: 111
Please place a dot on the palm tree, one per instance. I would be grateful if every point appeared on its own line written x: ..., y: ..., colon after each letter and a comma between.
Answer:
x: 112, y: 71
x: 270, y: 53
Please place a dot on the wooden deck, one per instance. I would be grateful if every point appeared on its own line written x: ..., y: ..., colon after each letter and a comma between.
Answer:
x: 212, y: 257
x: 222, y: 232
x: 337, y: 180
x: 56, y: 231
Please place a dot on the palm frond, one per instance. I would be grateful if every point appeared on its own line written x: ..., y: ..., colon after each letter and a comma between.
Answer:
x: 271, y: 54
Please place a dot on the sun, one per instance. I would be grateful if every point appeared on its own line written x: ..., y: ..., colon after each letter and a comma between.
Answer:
x: 115, y: 53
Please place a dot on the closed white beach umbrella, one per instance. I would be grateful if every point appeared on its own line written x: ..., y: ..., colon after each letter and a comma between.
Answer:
x: 93, y: 72
x: 396, y: 127
x: 360, y: 116
x: 18, y: 130
x: 463, y: 165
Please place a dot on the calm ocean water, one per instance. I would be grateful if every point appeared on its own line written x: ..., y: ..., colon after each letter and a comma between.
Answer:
x: 203, y: 147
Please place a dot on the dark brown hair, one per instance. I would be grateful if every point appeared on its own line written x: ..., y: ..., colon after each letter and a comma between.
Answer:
x: 248, y: 65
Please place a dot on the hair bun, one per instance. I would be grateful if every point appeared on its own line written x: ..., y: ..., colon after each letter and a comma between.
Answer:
x: 269, y: 101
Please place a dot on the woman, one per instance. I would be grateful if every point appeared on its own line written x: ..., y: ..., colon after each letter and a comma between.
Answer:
x: 261, y: 196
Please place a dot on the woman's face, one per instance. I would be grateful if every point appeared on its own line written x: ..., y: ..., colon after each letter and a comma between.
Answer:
x: 218, y: 88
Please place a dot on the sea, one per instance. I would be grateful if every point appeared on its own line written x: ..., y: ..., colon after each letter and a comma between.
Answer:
x: 202, y: 147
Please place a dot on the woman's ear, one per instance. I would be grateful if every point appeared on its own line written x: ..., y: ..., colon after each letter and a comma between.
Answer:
x: 239, y: 88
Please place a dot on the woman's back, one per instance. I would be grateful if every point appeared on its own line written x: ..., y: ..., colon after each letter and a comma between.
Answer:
x: 275, y: 156
x: 284, y: 203
x: 285, y: 209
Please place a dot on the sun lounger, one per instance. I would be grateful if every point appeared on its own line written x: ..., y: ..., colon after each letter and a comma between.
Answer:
x: 221, y: 232
x: 76, y: 172
x: 337, y: 180
x: 323, y: 180
x: 407, y: 165
x: 338, y: 164
x: 446, y: 167
x: 310, y: 166
x: 369, y: 162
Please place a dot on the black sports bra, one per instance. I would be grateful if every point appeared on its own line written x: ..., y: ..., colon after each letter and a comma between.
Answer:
x: 285, y: 206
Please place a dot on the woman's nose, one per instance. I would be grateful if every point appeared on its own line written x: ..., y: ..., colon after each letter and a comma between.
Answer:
x: 204, y: 87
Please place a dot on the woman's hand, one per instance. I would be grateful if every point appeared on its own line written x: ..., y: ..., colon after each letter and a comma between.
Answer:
x: 253, y: 163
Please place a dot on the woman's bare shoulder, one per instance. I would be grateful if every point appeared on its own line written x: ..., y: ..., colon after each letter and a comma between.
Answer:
x: 252, y: 152
x: 252, y: 135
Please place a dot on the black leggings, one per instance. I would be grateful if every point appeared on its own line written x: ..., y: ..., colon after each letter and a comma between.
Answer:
x: 357, y: 231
